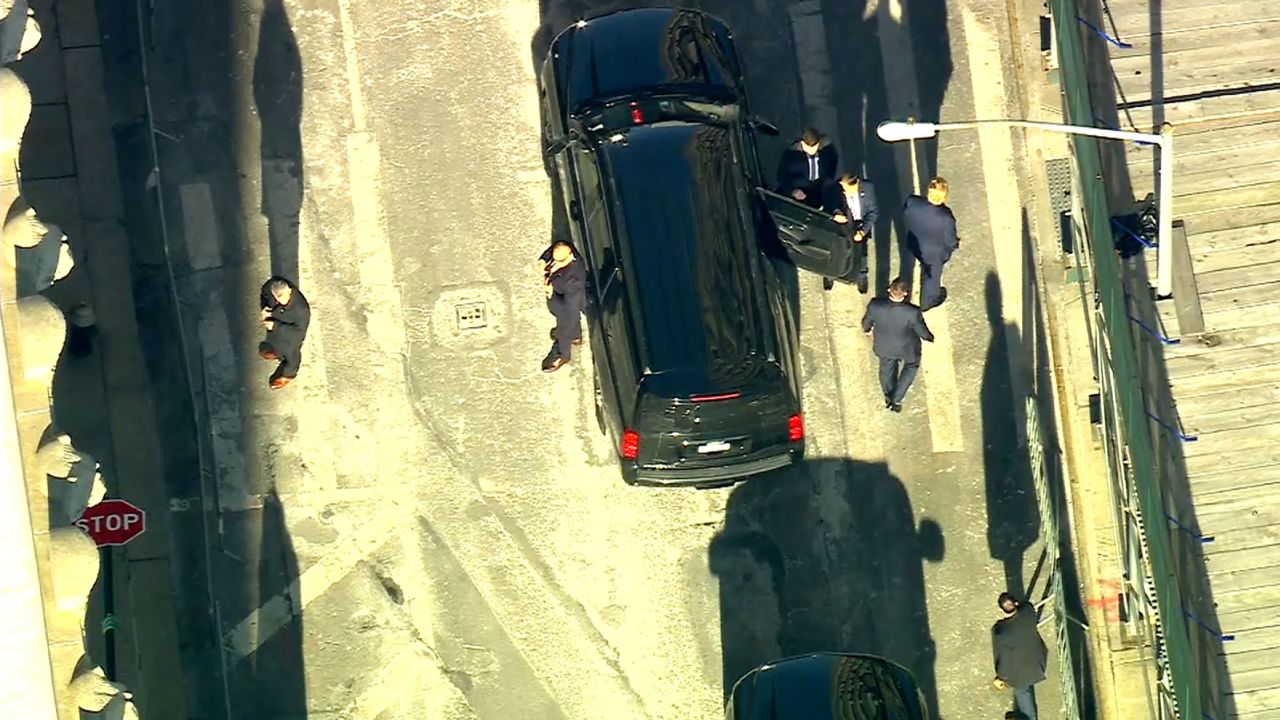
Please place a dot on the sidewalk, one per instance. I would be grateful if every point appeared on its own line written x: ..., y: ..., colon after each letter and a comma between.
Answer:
x: 104, y: 401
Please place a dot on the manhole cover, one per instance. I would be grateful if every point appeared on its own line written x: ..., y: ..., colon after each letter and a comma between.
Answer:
x: 472, y: 315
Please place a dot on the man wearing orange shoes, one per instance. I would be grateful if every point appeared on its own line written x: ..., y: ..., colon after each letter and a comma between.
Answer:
x: 285, y: 315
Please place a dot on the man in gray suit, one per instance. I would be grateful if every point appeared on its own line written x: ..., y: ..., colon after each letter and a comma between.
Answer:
x: 899, y: 327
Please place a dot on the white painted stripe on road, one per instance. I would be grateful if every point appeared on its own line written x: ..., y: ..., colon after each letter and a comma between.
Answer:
x: 359, y: 118
x: 219, y: 370
x: 273, y: 615
x: 379, y: 292
x: 859, y: 379
x: 810, y: 35
x: 937, y: 366
x: 986, y: 69
x: 199, y: 227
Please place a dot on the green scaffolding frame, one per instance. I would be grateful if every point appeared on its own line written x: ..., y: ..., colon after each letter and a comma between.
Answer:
x: 1110, y: 295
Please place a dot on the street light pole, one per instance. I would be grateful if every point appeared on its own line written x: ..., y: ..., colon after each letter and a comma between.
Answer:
x: 891, y: 131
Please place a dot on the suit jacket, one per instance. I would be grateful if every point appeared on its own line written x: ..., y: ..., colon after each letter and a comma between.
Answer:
x: 931, y: 230
x: 898, y: 328
x: 568, y: 288
x: 1020, y: 653
x: 292, y: 320
x: 793, y: 168
x: 834, y: 201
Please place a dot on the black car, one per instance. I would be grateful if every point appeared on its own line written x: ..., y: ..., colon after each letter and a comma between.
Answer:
x: 693, y: 329
x: 827, y: 686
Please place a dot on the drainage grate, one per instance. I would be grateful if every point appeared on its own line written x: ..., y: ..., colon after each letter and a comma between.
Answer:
x: 1059, y: 172
x: 472, y: 315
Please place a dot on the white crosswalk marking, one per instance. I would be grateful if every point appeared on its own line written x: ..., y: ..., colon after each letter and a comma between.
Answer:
x: 1001, y: 184
x: 937, y: 367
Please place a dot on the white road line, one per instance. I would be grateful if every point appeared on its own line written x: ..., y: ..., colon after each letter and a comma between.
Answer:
x: 859, y: 381
x: 199, y: 227
x: 274, y: 614
x: 937, y: 366
x: 220, y: 375
x: 986, y: 69
x: 810, y: 35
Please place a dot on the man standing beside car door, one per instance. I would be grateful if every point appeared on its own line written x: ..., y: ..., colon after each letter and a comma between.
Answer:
x: 852, y: 202
x: 807, y: 167
x: 565, y: 285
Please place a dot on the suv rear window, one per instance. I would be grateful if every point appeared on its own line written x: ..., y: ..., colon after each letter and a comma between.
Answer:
x: 680, y: 201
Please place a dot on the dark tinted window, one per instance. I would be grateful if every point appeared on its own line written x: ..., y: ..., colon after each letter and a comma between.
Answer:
x: 691, y: 252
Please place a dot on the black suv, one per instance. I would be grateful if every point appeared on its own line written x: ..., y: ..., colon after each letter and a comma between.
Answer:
x: 693, y: 328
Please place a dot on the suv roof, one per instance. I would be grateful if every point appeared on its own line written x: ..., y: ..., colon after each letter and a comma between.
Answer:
x: 650, y: 49
x: 689, y: 250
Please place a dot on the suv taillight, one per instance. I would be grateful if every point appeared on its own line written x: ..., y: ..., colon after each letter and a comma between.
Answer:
x: 631, y: 444
x: 795, y: 428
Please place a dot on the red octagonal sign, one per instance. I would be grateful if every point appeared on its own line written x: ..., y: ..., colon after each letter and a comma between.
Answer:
x: 113, y: 522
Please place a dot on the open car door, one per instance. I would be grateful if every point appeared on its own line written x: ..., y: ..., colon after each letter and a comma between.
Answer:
x: 812, y: 240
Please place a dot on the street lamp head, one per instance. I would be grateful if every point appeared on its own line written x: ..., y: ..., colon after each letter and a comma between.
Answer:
x: 892, y: 131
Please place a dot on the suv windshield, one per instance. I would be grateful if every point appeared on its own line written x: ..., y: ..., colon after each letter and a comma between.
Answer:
x: 691, y: 249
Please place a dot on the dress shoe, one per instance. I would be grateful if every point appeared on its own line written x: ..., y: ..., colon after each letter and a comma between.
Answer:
x: 268, y: 355
x: 277, y: 383
x: 896, y: 407
x: 862, y: 284
x: 828, y: 283
x: 554, y: 365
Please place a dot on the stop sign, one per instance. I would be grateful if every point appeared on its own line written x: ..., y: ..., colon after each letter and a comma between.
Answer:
x: 112, y: 522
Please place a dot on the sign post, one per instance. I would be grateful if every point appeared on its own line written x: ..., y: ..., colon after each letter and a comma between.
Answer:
x: 111, y: 523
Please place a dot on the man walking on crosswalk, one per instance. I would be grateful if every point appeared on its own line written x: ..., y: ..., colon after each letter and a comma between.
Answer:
x: 898, y: 327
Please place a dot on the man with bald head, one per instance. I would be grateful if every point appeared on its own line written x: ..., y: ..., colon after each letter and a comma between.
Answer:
x: 565, y: 285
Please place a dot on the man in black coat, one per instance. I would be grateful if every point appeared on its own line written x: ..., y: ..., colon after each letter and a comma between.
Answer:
x: 898, y: 328
x: 1020, y: 653
x: 566, y: 289
x: 285, y: 314
x: 805, y: 169
x: 852, y: 202
x: 931, y: 237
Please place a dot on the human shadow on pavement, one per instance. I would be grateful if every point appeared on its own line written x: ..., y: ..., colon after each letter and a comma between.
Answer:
x: 265, y: 661
x: 825, y: 556
x: 859, y: 45
x: 277, y: 93
x: 1013, y: 519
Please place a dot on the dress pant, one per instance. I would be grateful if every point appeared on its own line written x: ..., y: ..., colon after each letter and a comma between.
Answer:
x: 1024, y: 699
x: 931, y: 280
x: 568, y: 325
x: 896, y: 376
x: 289, y: 352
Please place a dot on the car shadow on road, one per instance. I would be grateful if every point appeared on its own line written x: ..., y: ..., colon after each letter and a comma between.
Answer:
x: 825, y: 556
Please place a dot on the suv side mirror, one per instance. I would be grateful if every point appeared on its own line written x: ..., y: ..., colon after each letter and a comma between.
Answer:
x: 763, y: 126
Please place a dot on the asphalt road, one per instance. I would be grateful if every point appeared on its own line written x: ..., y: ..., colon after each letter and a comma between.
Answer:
x: 425, y: 525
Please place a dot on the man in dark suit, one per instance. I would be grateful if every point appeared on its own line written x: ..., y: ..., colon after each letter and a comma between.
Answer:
x: 806, y: 167
x: 285, y: 315
x: 852, y: 202
x: 1020, y: 654
x: 898, y: 328
x: 566, y: 289
x: 931, y: 237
